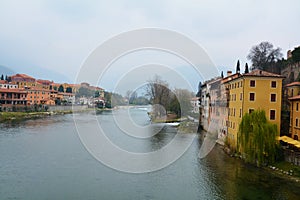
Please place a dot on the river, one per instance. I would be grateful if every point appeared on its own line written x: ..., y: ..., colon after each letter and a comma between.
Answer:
x: 45, y: 159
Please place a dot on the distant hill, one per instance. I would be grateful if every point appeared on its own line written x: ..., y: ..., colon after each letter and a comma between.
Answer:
x: 36, y: 72
x: 6, y: 71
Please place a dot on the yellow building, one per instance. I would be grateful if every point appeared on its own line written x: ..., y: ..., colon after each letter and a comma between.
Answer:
x: 295, y: 117
x: 292, y: 89
x: 252, y: 91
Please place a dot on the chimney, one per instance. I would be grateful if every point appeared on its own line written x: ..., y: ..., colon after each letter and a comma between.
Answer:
x: 229, y: 73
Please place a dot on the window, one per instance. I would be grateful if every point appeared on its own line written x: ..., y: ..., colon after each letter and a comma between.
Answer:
x: 273, y: 84
x: 272, y: 114
x: 241, y: 96
x: 273, y: 97
x: 296, y: 122
x: 240, y: 113
x: 252, y: 96
x: 251, y: 110
x: 241, y: 83
x: 252, y: 83
x: 297, y: 106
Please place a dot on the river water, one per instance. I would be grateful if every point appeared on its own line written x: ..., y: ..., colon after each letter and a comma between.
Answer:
x: 45, y: 159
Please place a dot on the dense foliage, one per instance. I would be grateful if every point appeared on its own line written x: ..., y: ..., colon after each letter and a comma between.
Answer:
x: 61, y: 88
x: 296, y: 54
x: 257, y: 138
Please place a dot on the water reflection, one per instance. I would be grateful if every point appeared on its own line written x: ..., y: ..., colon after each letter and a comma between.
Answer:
x: 44, y: 159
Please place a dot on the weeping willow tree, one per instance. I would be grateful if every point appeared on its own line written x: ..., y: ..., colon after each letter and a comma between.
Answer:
x: 257, y: 138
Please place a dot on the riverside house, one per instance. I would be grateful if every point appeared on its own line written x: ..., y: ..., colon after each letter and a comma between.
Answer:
x: 251, y: 91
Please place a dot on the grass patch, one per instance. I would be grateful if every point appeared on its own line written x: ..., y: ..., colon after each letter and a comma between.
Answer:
x: 17, y: 116
x: 285, y: 167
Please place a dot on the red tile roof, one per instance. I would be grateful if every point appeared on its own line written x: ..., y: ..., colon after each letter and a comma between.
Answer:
x: 13, y: 90
x: 253, y: 73
x: 74, y: 85
x: 23, y: 76
x: 293, y: 84
x: 262, y: 73
x: 195, y: 99
x: 45, y: 82
x: 3, y: 81
x: 295, y: 98
x: 37, y: 89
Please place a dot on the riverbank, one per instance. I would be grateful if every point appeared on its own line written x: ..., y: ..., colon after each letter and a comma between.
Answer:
x: 18, y: 116
x: 286, y: 170
x: 185, y: 125
x: 281, y: 169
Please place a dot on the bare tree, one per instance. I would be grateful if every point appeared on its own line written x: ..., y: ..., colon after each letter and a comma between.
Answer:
x: 264, y: 54
x: 159, y: 93
x: 177, y: 101
x: 128, y: 94
x: 183, y: 96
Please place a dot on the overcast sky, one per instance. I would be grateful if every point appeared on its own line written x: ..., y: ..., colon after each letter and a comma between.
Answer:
x: 59, y: 35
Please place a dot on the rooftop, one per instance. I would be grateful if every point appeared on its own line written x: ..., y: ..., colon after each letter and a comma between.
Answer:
x: 295, y: 98
x: 253, y: 73
x: 23, y: 76
x: 3, y: 81
x: 15, y: 90
x: 258, y: 72
x: 47, y: 82
x: 293, y: 84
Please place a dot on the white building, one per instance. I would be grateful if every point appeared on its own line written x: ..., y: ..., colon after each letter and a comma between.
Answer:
x: 5, y: 85
x: 195, y: 104
x: 213, y: 108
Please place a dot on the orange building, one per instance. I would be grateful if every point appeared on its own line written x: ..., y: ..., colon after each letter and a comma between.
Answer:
x: 44, y: 84
x: 295, y: 117
x: 38, y: 96
x: 12, y: 97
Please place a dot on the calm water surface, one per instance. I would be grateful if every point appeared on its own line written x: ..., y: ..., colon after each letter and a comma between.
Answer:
x: 44, y: 159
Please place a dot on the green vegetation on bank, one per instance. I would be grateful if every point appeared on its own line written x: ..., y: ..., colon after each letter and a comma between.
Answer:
x: 287, y: 168
x: 257, y: 139
x: 17, y: 116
